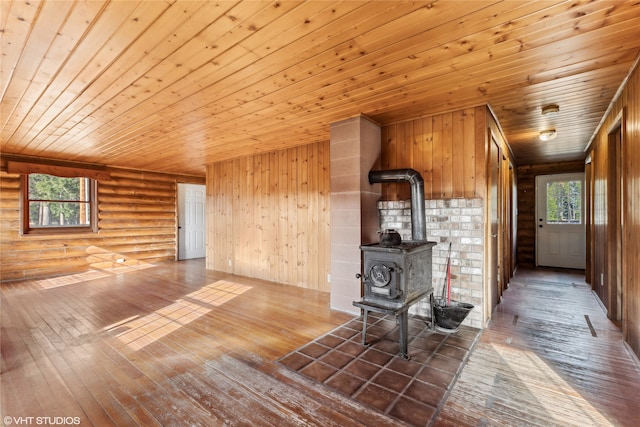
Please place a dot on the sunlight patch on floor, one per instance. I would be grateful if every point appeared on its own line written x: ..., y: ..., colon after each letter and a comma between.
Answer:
x: 70, y: 279
x: 544, y: 387
x: 143, y: 331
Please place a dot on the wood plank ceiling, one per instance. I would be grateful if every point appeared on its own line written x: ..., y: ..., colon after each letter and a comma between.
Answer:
x: 173, y: 85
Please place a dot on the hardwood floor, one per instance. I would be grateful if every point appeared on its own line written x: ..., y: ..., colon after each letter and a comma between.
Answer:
x: 550, y: 357
x: 171, y: 344
x: 174, y: 344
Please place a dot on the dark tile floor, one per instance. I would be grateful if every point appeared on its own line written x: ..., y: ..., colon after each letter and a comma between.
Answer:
x: 410, y: 390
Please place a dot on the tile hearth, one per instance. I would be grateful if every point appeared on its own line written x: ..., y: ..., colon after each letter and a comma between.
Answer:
x: 411, y: 390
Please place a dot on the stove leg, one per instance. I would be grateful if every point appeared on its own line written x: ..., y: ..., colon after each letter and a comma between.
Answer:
x: 364, y: 328
x: 404, y: 331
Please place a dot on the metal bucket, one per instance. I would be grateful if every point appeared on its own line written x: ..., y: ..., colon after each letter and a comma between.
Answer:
x: 448, y: 317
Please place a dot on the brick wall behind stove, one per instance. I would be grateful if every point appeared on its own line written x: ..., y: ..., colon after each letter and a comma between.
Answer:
x: 461, y: 222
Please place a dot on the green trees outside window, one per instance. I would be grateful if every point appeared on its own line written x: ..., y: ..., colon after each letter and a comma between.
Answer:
x: 564, y: 202
x: 56, y: 202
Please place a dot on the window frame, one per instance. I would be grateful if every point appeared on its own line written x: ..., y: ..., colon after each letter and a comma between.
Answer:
x: 580, y: 201
x: 26, y: 229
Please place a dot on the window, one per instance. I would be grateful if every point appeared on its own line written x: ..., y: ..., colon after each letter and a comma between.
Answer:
x: 564, y: 202
x: 53, y: 204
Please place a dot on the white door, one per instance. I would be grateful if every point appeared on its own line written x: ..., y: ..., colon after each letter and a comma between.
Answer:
x: 560, y: 227
x: 191, y: 221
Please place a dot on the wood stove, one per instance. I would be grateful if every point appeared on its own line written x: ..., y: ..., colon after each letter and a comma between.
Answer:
x: 397, y: 276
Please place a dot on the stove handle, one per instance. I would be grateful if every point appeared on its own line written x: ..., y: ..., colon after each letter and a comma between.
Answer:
x: 365, y: 277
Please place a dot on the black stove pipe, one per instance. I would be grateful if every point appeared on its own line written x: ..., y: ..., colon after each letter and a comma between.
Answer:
x: 413, y: 177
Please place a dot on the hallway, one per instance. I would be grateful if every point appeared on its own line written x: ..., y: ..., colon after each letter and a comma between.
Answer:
x: 549, y: 357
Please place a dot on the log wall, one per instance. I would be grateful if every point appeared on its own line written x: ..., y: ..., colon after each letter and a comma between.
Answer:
x: 526, y: 248
x: 136, y: 223
x: 625, y: 109
x: 269, y: 216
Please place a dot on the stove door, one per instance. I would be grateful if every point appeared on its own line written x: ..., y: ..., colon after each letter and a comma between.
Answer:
x: 382, y: 280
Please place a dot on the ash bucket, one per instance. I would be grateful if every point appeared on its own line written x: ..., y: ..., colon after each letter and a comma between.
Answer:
x: 446, y: 314
x: 449, y: 316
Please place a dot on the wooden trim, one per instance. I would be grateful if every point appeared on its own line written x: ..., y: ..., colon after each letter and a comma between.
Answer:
x: 25, y: 168
x: 501, y: 131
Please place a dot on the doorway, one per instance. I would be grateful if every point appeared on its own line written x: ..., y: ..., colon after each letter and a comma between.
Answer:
x: 560, y: 225
x: 191, y: 221
x: 614, y: 280
x: 495, y: 214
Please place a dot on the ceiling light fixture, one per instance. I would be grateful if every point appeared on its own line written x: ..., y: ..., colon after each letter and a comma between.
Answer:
x: 548, y: 135
x: 550, y: 109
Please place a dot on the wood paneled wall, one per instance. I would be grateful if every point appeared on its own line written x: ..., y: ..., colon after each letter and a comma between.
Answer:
x: 269, y: 216
x: 447, y: 149
x: 451, y: 151
x: 136, y: 222
x: 625, y: 110
x: 526, y: 249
